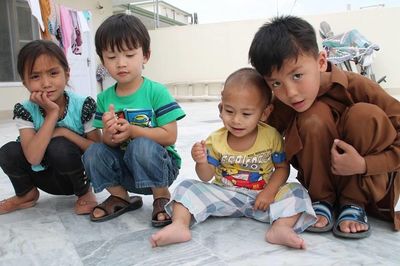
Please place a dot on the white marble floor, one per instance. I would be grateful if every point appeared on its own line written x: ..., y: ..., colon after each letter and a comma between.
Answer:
x: 51, y: 234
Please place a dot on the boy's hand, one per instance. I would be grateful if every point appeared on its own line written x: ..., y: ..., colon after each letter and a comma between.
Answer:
x: 199, y: 153
x: 41, y: 99
x: 345, y: 159
x: 109, y: 121
x: 122, y: 128
x: 264, y: 199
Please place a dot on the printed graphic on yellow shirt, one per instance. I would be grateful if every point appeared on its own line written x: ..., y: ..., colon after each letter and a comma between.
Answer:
x: 248, y: 171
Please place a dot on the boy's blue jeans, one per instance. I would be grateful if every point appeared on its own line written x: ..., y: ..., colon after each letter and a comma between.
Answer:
x: 143, y: 165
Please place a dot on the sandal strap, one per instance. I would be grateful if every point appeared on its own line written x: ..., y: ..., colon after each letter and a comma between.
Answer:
x: 323, y: 208
x: 112, y: 204
x: 158, y: 206
x: 352, y: 212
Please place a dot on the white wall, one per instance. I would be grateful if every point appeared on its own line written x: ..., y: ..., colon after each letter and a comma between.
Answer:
x: 197, y: 53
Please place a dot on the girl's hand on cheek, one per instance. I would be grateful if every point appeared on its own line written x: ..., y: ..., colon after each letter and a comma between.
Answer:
x: 48, y: 104
x: 41, y: 99
x: 35, y: 97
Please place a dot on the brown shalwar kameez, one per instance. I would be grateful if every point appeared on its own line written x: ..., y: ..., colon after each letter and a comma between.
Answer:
x: 358, y: 111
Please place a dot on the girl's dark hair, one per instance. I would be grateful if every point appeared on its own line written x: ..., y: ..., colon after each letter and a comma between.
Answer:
x: 119, y: 30
x: 248, y: 75
x: 32, y: 50
x: 283, y: 38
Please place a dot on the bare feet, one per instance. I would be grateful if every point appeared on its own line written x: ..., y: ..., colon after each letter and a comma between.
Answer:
x: 86, y: 203
x: 173, y: 233
x: 19, y: 202
x: 352, y: 227
x: 284, y: 235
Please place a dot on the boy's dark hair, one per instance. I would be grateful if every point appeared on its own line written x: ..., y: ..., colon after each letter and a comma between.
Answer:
x: 119, y: 30
x: 32, y: 50
x: 283, y: 38
x: 247, y: 75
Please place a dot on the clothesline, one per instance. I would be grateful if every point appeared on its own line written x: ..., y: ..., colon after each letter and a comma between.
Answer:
x: 61, y: 24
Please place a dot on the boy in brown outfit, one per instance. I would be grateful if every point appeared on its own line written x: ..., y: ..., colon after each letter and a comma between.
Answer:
x: 340, y: 128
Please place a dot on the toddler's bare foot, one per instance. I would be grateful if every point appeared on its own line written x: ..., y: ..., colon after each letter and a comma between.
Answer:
x: 16, y: 203
x: 86, y: 203
x: 173, y: 233
x: 284, y: 235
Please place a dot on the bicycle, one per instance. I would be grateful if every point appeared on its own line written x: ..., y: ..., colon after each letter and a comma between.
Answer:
x: 350, y: 50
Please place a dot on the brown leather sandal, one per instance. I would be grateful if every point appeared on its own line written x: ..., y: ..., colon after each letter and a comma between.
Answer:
x: 159, y: 207
x: 114, y: 206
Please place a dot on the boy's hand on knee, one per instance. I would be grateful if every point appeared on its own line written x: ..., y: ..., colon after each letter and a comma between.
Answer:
x: 345, y: 159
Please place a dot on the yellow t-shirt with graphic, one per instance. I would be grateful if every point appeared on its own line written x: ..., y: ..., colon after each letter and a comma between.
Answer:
x: 249, y: 169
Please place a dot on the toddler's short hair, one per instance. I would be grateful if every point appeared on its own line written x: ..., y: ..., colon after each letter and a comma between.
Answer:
x: 244, y: 76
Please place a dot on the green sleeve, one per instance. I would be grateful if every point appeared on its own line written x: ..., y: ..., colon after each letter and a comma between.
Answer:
x: 166, y: 108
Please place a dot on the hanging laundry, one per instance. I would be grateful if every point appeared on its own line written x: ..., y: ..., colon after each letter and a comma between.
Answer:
x: 87, y: 14
x: 61, y: 24
x: 83, y: 22
x: 55, y: 24
x: 101, y: 73
x: 35, y: 9
x: 45, y: 11
x: 66, y: 27
x: 76, y: 42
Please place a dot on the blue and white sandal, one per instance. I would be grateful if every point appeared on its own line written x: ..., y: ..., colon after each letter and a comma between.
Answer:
x: 352, y: 213
x: 324, y: 209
